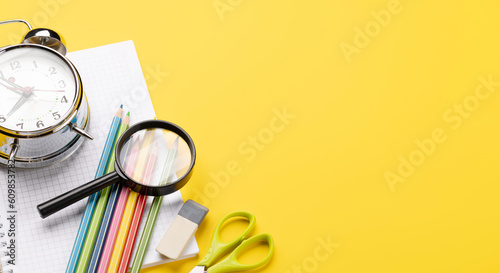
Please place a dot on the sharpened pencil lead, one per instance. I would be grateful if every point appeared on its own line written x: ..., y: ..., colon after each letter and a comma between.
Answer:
x: 175, y: 145
x: 126, y: 119
x: 119, y: 112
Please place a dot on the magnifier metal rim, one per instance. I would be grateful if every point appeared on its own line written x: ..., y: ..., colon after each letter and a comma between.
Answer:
x: 150, y: 189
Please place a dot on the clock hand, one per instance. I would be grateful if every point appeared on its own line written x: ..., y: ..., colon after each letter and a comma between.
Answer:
x: 25, y: 89
x: 44, y: 90
x: 17, y: 86
x: 19, y: 103
x: 10, y: 88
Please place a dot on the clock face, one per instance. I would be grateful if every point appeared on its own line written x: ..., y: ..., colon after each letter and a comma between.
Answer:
x: 37, y: 89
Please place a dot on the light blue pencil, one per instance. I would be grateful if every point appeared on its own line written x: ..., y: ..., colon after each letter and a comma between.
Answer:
x: 108, y: 213
x: 89, y: 209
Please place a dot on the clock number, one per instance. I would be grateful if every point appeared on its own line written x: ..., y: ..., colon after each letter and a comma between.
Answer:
x: 64, y: 99
x: 20, y: 125
x: 36, y: 66
x: 1, y: 74
x: 39, y: 124
x: 56, y: 115
x: 52, y: 70
x: 62, y: 84
x: 15, y: 65
x: 2, y: 119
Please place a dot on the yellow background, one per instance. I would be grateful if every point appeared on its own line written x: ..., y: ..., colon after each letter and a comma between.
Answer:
x: 322, y: 176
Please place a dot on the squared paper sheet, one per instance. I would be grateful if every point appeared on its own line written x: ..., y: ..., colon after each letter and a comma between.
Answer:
x: 111, y: 76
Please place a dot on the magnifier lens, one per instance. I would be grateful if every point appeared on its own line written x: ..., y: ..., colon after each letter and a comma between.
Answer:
x: 155, y: 157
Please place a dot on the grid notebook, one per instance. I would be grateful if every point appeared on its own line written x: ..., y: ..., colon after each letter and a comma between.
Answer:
x: 111, y: 76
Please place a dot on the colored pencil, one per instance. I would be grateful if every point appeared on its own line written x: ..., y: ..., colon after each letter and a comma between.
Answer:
x: 154, y: 210
x: 131, y: 201
x: 120, y: 205
x: 139, y: 210
x: 92, y: 201
x: 97, y: 216
x: 104, y: 209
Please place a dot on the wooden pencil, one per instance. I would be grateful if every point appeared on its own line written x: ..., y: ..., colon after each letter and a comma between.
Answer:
x: 92, y: 201
x: 120, y: 205
x: 103, y: 211
x: 139, y: 210
x: 130, y: 205
x: 155, y: 209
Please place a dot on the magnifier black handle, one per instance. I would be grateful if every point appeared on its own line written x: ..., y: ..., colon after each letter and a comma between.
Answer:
x: 60, y: 202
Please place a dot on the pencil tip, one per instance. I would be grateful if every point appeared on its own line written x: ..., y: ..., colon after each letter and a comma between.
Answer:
x: 176, y: 143
x: 121, y: 106
x: 128, y: 113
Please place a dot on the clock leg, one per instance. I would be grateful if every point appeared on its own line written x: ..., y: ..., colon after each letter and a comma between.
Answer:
x: 80, y: 131
x: 13, y: 151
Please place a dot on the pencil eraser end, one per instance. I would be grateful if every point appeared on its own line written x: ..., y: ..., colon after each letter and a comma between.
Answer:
x: 182, y: 229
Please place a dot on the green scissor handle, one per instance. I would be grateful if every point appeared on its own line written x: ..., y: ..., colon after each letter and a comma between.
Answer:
x: 231, y: 263
x: 217, y: 247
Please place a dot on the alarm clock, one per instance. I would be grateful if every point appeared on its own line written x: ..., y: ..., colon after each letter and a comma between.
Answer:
x: 43, y: 109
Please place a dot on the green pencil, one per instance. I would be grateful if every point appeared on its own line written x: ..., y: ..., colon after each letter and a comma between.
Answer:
x: 155, y: 208
x: 88, y: 244
x: 92, y: 201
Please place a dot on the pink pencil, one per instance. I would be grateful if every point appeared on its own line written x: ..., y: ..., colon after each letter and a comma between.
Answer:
x: 139, y: 209
x: 120, y: 206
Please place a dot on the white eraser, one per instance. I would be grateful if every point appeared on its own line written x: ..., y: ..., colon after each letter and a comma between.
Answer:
x: 182, y: 229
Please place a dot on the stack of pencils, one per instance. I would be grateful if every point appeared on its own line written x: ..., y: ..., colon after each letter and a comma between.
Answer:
x: 110, y: 222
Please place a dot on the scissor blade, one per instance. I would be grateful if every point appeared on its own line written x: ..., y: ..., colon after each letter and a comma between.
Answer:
x: 198, y: 269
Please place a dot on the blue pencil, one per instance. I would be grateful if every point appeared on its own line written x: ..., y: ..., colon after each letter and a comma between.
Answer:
x: 108, y: 214
x: 89, y: 209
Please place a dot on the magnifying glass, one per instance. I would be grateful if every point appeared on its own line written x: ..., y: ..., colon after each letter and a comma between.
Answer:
x: 153, y: 157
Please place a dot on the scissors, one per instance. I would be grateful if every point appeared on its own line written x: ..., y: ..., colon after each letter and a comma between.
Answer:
x: 218, y: 248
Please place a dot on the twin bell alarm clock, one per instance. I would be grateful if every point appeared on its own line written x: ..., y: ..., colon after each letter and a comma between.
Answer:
x: 43, y: 109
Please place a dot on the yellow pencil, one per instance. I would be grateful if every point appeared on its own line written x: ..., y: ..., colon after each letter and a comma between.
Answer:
x: 129, y: 207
